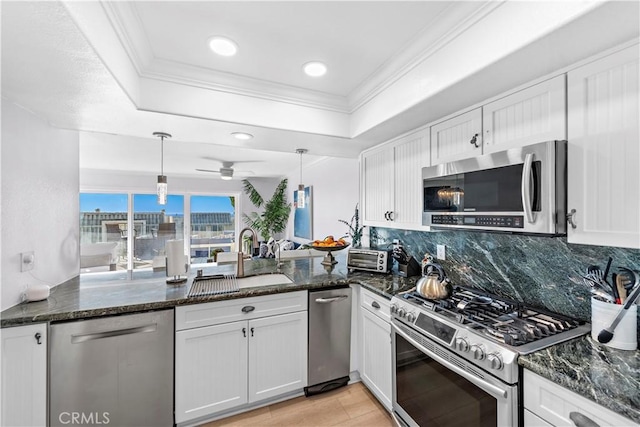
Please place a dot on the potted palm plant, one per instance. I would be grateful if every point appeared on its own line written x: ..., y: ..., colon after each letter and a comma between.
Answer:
x: 276, y: 212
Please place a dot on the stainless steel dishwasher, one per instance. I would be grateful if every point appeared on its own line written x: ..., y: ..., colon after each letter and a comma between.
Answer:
x: 329, y: 339
x: 115, y: 370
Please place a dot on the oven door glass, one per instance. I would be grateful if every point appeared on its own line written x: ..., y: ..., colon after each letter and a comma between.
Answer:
x: 486, y: 190
x: 432, y: 395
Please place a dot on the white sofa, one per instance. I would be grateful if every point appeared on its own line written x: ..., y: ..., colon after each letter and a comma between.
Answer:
x: 103, y: 254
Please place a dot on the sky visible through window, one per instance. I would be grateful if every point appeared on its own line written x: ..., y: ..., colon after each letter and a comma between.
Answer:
x: 89, y: 202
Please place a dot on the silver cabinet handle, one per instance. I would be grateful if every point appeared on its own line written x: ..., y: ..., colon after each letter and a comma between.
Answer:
x: 391, y: 213
x: 332, y: 299
x: 581, y: 420
x: 248, y: 308
x: 526, y: 188
x: 77, y: 339
x: 375, y: 304
x: 570, y: 217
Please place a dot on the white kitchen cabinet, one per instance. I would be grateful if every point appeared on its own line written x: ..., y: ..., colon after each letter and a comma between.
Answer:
x: 528, y: 116
x: 24, y: 375
x: 603, y: 187
x: 556, y: 406
x: 457, y: 138
x: 376, y: 361
x: 392, y: 182
x: 225, y: 363
x: 277, y: 355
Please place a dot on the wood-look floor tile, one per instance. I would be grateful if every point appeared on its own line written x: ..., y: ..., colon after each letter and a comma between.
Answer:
x: 352, y: 405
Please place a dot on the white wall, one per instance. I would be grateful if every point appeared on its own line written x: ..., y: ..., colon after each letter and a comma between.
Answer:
x: 335, y: 192
x: 39, y: 202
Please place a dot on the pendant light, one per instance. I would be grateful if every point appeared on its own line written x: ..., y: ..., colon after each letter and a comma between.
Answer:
x: 301, y: 196
x: 162, y: 188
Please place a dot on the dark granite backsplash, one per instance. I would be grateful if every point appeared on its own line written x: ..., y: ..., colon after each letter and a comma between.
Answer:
x: 542, y: 271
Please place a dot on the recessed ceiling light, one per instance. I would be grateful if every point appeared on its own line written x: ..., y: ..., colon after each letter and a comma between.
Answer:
x: 223, y: 46
x: 242, y: 135
x: 315, y: 69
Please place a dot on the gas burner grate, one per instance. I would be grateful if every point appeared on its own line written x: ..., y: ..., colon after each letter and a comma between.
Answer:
x: 504, y: 321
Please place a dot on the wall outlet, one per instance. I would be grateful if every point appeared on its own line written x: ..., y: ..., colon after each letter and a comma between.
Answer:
x: 441, y: 252
x: 27, y: 261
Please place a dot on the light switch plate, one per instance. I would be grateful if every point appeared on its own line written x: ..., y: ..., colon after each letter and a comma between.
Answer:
x: 441, y: 252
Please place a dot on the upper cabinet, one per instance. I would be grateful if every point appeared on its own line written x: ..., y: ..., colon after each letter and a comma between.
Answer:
x: 457, y: 138
x: 392, y: 182
x: 532, y: 115
x: 603, y: 151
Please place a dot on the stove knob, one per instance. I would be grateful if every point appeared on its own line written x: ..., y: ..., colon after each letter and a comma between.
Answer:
x: 462, y: 344
x: 393, y: 308
x: 477, y: 351
x: 495, y: 361
x: 411, y: 317
x: 401, y: 312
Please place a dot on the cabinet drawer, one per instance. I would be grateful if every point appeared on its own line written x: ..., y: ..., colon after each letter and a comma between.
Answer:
x: 554, y: 404
x: 213, y: 313
x: 378, y: 305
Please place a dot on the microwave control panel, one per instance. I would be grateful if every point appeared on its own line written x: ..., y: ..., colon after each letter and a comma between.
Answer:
x: 506, y: 221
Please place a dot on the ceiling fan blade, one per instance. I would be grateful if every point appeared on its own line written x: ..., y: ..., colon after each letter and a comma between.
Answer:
x: 207, y: 170
x: 230, y: 162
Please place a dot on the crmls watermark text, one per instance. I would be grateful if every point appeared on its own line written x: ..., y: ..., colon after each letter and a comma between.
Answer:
x: 79, y: 418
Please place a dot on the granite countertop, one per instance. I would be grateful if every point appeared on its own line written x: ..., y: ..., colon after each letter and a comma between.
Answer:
x: 103, y: 294
x: 602, y: 374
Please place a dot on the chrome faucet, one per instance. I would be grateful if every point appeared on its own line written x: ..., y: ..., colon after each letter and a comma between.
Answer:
x: 278, y: 263
x: 240, y: 266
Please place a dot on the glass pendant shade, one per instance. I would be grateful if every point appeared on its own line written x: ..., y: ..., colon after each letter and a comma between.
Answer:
x: 162, y: 190
x: 300, y: 193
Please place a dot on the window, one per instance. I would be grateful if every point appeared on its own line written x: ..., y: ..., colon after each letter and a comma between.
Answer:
x: 212, y: 226
x: 105, y: 238
x: 103, y: 232
x: 153, y: 225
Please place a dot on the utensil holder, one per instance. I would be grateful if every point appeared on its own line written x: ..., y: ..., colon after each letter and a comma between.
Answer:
x: 625, y: 336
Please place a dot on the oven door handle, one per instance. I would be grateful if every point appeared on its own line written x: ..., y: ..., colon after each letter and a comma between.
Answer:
x: 488, y: 387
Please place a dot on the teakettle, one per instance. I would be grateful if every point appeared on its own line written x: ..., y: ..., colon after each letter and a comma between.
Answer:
x: 435, y: 284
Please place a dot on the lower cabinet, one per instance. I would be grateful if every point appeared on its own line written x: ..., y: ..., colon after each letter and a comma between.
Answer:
x: 376, y: 363
x: 224, y: 366
x: 24, y: 375
x: 548, y: 404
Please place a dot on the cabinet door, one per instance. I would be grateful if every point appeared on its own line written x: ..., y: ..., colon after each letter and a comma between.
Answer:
x: 457, y: 138
x: 535, y: 114
x: 532, y: 420
x: 603, y: 151
x: 277, y: 355
x: 411, y: 154
x: 375, y: 367
x: 211, y: 369
x: 24, y: 375
x: 377, y: 185
x: 559, y: 406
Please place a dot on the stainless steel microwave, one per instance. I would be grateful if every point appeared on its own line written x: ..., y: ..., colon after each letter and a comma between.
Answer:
x: 519, y: 190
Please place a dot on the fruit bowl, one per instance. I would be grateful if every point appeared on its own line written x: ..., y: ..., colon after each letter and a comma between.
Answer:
x: 328, y: 247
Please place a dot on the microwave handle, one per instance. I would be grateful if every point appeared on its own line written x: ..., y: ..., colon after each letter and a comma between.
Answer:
x: 526, y: 188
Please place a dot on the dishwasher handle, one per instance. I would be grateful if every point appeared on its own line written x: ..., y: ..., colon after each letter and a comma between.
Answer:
x: 332, y: 299
x: 77, y: 339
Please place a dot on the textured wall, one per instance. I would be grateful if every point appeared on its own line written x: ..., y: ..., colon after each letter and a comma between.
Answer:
x: 541, y: 271
x: 39, y: 202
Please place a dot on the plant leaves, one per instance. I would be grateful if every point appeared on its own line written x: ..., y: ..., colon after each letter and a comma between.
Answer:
x: 253, y: 194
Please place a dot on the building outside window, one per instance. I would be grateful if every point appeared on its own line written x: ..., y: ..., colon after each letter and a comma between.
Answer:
x: 212, y: 227
x: 105, y: 238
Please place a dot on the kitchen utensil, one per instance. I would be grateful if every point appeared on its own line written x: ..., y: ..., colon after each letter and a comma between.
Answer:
x: 614, y: 290
x: 628, y: 277
x: 606, y: 334
x: 476, y: 300
x: 622, y: 291
x: 606, y: 269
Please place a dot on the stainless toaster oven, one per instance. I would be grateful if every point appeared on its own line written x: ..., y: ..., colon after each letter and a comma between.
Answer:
x: 375, y: 260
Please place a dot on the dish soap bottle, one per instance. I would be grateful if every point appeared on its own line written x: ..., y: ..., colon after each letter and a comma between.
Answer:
x: 426, y: 260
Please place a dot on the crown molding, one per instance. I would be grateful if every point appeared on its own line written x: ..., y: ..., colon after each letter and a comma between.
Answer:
x: 437, y: 34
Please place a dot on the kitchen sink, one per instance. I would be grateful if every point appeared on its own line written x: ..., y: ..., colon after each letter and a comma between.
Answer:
x: 262, y: 280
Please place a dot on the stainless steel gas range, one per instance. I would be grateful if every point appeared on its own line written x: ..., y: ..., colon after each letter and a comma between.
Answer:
x: 456, y: 360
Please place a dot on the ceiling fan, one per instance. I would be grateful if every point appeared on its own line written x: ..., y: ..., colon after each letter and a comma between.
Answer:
x: 227, y: 170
